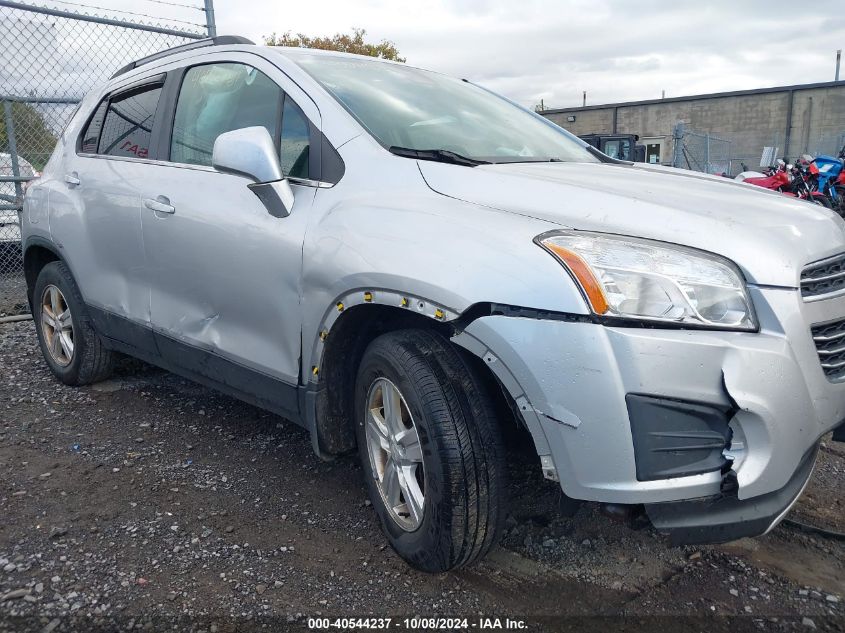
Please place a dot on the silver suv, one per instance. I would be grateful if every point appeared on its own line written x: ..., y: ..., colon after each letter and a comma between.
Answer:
x: 405, y: 263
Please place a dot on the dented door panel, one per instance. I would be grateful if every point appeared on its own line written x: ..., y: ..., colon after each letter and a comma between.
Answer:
x: 224, y: 273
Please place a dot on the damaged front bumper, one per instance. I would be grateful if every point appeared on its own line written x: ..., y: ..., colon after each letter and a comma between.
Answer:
x: 724, y: 517
x: 659, y: 416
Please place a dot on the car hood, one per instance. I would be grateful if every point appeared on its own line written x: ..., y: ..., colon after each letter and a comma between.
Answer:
x: 769, y: 236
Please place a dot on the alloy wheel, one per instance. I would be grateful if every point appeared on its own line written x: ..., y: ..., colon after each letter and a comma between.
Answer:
x: 395, y: 453
x: 57, y: 325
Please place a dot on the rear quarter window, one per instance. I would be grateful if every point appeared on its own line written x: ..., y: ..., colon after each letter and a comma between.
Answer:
x: 91, y: 134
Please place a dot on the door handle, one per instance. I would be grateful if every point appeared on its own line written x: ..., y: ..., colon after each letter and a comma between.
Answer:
x: 72, y: 179
x: 160, y: 205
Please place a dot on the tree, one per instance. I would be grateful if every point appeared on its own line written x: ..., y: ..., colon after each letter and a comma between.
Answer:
x: 342, y: 42
x: 34, y: 139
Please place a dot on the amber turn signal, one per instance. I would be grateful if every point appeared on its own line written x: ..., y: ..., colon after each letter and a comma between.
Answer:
x: 584, y: 274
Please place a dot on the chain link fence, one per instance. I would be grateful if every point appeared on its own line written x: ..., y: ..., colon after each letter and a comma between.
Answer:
x: 51, y: 56
x: 752, y: 156
x: 700, y: 151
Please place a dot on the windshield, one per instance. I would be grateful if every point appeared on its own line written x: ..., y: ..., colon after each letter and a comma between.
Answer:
x: 412, y: 109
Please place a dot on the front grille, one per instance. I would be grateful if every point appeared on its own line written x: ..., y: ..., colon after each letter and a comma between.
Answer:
x: 830, y: 344
x: 824, y: 277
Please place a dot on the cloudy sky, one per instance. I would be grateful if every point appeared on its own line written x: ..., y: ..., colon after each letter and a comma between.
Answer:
x: 616, y: 50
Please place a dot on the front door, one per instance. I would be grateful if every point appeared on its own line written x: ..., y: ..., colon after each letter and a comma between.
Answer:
x: 225, y: 274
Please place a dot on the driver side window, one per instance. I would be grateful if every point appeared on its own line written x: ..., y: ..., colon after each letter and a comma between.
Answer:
x: 218, y: 98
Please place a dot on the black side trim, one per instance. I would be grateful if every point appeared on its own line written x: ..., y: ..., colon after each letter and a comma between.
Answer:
x: 202, y: 366
x: 123, y: 335
x: 483, y: 309
x: 332, y: 167
x: 676, y: 438
x: 722, y: 518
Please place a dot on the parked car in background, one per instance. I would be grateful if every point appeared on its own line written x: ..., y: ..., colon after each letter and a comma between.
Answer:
x: 9, y: 229
x: 405, y: 263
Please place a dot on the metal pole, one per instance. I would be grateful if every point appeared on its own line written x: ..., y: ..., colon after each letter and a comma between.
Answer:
x: 92, y: 18
x: 210, y: 24
x: 786, y: 137
x: 13, y: 148
x: 585, y: 97
x: 677, y: 144
x: 838, y: 59
x: 706, y: 153
x: 33, y: 99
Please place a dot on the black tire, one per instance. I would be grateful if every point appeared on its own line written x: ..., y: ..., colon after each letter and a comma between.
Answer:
x: 91, y: 360
x: 463, y: 457
x: 840, y: 200
x: 822, y: 201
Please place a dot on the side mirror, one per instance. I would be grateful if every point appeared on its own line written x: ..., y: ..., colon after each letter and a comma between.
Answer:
x: 250, y: 152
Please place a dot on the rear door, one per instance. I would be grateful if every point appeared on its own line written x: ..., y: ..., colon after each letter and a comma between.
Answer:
x: 95, y: 208
x: 225, y: 274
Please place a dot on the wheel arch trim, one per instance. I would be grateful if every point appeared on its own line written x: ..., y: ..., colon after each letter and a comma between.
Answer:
x: 31, y: 243
x: 405, y: 301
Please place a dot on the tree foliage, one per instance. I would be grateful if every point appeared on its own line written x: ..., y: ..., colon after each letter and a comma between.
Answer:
x: 35, y: 141
x: 343, y: 42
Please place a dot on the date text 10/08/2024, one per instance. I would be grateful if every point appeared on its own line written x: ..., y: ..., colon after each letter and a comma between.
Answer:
x: 415, y: 623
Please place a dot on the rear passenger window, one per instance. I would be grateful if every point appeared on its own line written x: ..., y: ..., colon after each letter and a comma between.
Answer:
x: 218, y: 98
x: 128, y: 125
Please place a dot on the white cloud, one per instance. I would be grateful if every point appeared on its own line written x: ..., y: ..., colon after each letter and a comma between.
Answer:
x: 616, y: 50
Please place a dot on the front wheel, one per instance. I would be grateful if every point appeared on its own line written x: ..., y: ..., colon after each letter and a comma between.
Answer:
x: 430, y: 449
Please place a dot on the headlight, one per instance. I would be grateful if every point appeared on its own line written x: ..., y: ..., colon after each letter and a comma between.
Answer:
x: 640, y: 279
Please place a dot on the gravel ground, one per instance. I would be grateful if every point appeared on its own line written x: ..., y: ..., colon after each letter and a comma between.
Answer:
x: 12, y: 290
x: 148, y: 502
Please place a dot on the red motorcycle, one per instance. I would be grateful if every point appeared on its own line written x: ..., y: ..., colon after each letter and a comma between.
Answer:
x: 792, y: 181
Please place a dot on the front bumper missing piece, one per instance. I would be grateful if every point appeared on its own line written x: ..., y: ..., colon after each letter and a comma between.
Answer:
x: 724, y: 517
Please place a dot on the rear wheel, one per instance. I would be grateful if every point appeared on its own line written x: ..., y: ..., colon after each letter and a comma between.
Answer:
x: 430, y: 449
x: 73, y: 350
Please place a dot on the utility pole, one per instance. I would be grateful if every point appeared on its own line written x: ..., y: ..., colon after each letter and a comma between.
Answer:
x: 210, y: 24
x: 585, y: 98
x: 838, y: 60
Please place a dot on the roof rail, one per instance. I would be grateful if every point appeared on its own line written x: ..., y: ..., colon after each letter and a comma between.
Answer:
x: 209, y: 41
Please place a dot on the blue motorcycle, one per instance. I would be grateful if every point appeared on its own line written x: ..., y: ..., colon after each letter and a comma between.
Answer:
x: 830, y: 179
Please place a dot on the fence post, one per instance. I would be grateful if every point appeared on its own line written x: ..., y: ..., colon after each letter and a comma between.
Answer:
x: 677, y: 144
x: 707, y: 153
x: 13, y: 148
x: 210, y: 24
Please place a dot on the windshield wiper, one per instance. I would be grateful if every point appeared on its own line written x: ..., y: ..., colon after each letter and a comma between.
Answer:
x: 528, y: 160
x: 437, y: 155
